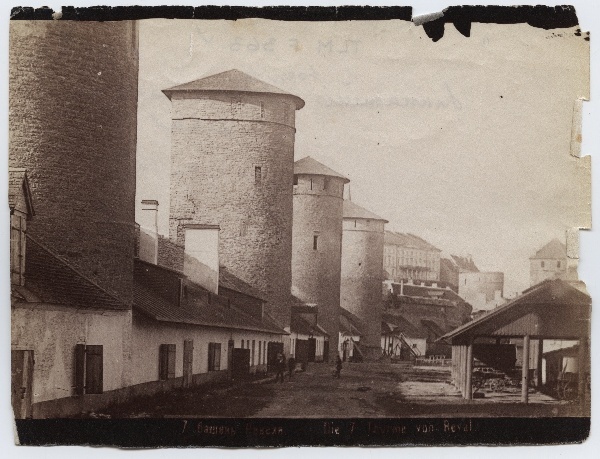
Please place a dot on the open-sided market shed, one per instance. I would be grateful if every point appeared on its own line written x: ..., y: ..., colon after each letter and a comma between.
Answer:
x: 551, y: 310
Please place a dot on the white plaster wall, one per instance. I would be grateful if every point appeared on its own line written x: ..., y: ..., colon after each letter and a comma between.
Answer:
x: 52, y: 333
x: 148, y: 335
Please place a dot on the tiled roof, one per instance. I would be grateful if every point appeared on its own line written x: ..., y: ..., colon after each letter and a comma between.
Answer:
x: 232, y: 282
x: 55, y: 281
x: 19, y: 185
x: 352, y: 210
x: 408, y: 240
x: 195, y: 311
x: 232, y: 81
x: 553, y: 250
x: 310, y: 166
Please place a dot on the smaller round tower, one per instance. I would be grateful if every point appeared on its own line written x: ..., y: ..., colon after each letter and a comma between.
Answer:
x: 362, y: 273
x: 317, y: 242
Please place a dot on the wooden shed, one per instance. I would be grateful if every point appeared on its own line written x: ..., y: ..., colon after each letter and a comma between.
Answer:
x: 551, y: 310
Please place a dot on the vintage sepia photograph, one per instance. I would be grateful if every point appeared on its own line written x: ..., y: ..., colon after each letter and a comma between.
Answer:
x: 366, y: 228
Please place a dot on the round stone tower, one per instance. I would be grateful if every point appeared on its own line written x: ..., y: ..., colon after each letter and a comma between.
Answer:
x: 317, y: 242
x: 73, y: 124
x: 362, y: 273
x: 232, y: 159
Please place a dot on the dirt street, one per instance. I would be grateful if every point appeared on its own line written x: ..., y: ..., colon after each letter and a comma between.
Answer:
x: 364, y: 390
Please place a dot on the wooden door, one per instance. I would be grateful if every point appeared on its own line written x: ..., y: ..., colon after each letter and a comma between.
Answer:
x: 22, y: 383
x: 312, y: 349
x: 188, y: 360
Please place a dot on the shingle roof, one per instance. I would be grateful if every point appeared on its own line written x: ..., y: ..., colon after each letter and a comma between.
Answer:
x: 232, y: 282
x: 232, y: 81
x: 404, y: 325
x: 195, y: 311
x: 350, y: 324
x: 553, y: 250
x: 310, y: 166
x: 55, y: 281
x: 549, y: 290
x: 352, y: 210
x: 18, y: 184
x: 408, y: 240
x: 303, y: 327
x: 465, y: 263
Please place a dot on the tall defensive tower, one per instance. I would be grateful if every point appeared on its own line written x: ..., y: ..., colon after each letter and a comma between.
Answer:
x: 232, y: 157
x: 317, y: 242
x: 362, y: 272
x: 73, y: 124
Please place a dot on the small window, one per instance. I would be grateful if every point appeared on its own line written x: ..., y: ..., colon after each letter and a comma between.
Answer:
x: 295, y: 180
x: 543, y: 264
x: 262, y: 109
x: 252, y: 353
x: 325, y: 183
x: 166, y: 365
x: 311, y: 184
x: 214, y: 356
x: 89, y: 369
x: 257, y: 174
x: 315, y: 242
x: 558, y: 264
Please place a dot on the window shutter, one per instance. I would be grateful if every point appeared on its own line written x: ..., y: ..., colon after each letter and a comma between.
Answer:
x: 163, y: 356
x: 171, y: 361
x: 217, y: 356
x: 79, y: 369
x: 94, y: 369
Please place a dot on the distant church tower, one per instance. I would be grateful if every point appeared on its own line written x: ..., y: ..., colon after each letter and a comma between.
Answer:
x: 232, y: 159
x: 362, y: 272
x: 317, y: 242
x: 549, y: 262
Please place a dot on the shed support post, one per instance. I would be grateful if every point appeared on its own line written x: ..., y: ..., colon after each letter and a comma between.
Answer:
x: 583, y: 372
x: 539, y: 380
x: 469, y: 369
x: 525, y: 372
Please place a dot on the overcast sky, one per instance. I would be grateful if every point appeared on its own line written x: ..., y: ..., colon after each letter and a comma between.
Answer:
x: 464, y: 142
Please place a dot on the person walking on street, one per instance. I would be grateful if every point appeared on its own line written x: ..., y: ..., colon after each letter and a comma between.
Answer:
x: 291, y: 366
x: 280, y: 367
x: 338, y: 366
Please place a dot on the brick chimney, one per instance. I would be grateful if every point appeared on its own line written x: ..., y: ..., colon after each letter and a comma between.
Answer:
x: 149, y: 231
x: 201, y: 255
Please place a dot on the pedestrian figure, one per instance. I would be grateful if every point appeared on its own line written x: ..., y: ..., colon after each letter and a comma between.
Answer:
x: 280, y: 367
x: 338, y: 366
x: 291, y: 366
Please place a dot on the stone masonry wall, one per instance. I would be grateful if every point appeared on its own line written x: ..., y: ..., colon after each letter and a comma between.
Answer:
x: 318, y: 203
x: 214, y: 181
x: 73, y: 122
x: 362, y: 274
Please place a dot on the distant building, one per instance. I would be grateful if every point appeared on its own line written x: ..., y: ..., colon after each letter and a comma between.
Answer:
x: 483, y: 290
x: 407, y: 256
x: 550, y: 262
x: 362, y: 272
x: 452, y: 266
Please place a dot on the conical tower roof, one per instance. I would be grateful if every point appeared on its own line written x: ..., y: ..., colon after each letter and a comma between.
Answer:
x: 310, y: 166
x: 232, y: 81
x: 352, y: 210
